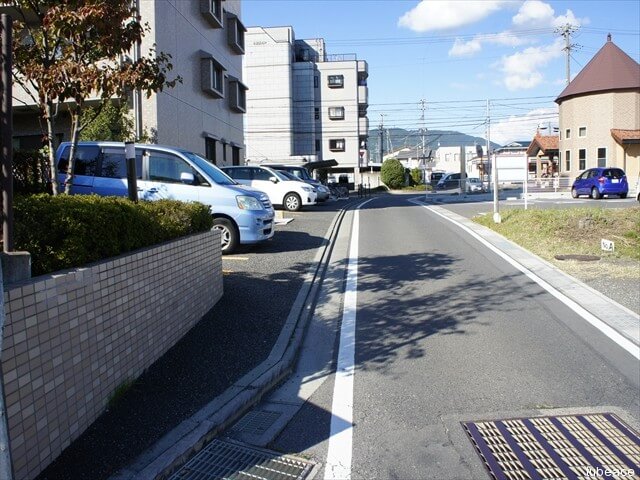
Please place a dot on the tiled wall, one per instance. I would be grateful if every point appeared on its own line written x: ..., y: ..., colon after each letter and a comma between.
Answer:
x: 72, y: 338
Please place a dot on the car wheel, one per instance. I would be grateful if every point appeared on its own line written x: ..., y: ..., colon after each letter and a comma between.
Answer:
x: 623, y: 195
x: 595, y: 194
x: 292, y: 202
x: 574, y: 193
x: 229, y: 237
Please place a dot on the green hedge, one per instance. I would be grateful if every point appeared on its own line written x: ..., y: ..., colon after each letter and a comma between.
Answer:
x: 67, y: 231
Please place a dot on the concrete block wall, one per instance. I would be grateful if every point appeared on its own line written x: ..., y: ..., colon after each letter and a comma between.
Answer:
x: 72, y: 338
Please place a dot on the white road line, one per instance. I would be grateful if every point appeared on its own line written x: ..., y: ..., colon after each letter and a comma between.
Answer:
x: 618, y: 338
x: 338, y: 464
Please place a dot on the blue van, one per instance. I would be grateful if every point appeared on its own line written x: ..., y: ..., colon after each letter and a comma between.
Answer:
x: 243, y: 215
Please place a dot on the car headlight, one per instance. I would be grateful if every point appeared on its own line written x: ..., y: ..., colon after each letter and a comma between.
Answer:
x: 323, y: 189
x: 307, y: 189
x: 247, y: 202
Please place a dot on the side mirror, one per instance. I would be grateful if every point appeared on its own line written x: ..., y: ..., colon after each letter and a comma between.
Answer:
x: 187, y: 178
x: 273, y: 179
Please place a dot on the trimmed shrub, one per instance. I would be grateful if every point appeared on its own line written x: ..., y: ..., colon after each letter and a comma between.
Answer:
x: 416, y: 176
x: 67, y: 231
x: 392, y: 173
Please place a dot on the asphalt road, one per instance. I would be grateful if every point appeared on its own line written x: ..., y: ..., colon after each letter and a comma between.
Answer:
x: 446, y: 331
x: 260, y: 285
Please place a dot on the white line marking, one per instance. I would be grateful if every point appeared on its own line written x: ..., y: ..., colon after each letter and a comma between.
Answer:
x: 338, y: 464
x: 619, y: 339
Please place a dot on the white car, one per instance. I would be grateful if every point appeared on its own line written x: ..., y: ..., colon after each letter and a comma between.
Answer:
x: 290, y: 194
x: 474, y: 185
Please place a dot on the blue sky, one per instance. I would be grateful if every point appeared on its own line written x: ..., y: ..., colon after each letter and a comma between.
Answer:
x: 457, y: 54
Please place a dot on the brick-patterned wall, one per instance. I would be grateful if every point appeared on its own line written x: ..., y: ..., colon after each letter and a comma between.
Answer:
x: 72, y: 338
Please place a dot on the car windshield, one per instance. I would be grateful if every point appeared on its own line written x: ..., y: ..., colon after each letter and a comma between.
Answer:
x: 211, y: 170
x: 281, y: 175
x: 288, y: 175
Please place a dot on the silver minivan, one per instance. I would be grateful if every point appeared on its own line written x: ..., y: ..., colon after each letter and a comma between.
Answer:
x: 243, y: 215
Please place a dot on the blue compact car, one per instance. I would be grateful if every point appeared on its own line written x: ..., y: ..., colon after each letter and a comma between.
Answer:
x: 598, y: 182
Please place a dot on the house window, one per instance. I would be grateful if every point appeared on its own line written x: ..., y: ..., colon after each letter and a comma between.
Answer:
x: 336, y: 145
x: 582, y: 132
x: 582, y: 159
x: 336, y: 113
x: 336, y: 81
x: 212, y: 11
x: 567, y: 160
x: 212, y: 77
x: 237, y: 95
x: 210, y: 149
x: 316, y: 113
x: 318, y: 145
x: 235, y: 33
x: 602, y: 157
x: 567, y: 133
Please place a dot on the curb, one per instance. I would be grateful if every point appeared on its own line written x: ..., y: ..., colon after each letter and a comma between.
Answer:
x: 188, y: 438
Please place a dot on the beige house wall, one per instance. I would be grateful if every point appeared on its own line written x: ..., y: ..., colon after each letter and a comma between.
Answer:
x: 599, y: 113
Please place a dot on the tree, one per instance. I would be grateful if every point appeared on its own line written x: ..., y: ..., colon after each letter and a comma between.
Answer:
x: 68, y: 52
x: 416, y: 176
x: 392, y: 173
x: 112, y: 122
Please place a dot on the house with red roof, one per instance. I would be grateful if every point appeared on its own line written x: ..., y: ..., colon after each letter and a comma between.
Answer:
x: 600, y: 115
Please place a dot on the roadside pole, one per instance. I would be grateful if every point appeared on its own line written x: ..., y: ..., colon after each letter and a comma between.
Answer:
x: 494, y: 168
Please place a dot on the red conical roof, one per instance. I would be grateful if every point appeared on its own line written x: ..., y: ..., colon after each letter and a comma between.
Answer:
x: 610, y: 69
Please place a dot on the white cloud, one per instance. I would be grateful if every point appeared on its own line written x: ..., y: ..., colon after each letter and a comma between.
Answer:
x: 433, y: 15
x: 521, y: 70
x: 465, y: 49
x: 522, y: 127
x: 534, y: 13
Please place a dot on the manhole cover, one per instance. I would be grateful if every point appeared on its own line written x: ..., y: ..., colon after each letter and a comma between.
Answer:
x: 563, y: 447
x: 231, y: 461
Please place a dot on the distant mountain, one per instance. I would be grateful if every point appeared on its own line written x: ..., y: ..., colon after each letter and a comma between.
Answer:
x: 399, y: 137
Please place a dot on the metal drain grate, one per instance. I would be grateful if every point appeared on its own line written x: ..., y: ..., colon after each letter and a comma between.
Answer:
x: 230, y: 461
x: 256, y: 422
x: 563, y: 447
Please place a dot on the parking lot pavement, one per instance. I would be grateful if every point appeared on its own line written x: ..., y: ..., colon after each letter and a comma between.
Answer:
x: 260, y: 285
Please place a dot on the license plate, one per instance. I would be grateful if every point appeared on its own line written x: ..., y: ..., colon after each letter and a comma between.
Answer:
x: 615, y: 180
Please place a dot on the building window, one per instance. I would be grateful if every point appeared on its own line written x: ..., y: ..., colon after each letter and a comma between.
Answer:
x: 210, y: 149
x: 602, y: 157
x: 237, y: 95
x: 212, y: 77
x: 336, y: 145
x: 567, y: 160
x: 582, y: 159
x: 318, y: 145
x: 316, y: 113
x: 316, y: 82
x: 567, y: 133
x: 212, y: 11
x: 235, y: 33
x: 336, y: 81
x: 336, y: 113
x: 224, y: 153
x: 582, y: 132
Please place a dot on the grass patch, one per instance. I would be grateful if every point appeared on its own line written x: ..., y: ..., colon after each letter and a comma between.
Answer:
x: 571, y: 231
x: 416, y: 188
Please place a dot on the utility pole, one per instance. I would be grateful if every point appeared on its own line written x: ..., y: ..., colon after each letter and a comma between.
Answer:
x: 494, y: 169
x: 381, y: 141
x: 566, y: 30
x: 423, y: 131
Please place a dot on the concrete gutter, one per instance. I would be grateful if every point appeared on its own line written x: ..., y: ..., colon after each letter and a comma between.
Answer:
x: 177, y: 446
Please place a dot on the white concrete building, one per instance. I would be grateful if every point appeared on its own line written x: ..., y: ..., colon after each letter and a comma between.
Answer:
x: 205, y: 112
x: 304, y: 105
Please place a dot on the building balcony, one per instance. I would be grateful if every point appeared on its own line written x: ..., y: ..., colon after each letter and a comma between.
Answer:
x: 363, y: 70
x: 363, y: 125
x: 363, y: 94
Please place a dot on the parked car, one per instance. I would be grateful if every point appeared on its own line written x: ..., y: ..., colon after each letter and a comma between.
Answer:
x: 303, y: 174
x: 597, y: 182
x: 435, y: 178
x: 448, y: 181
x: 290, y: 194
x: 474, y: 185
x: 243, y: 215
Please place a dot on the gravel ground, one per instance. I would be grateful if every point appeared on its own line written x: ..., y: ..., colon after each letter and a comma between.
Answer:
x: 260, y: 285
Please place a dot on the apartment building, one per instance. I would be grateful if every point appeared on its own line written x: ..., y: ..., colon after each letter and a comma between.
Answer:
x: 304, y: 105
x: 204, y: 113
